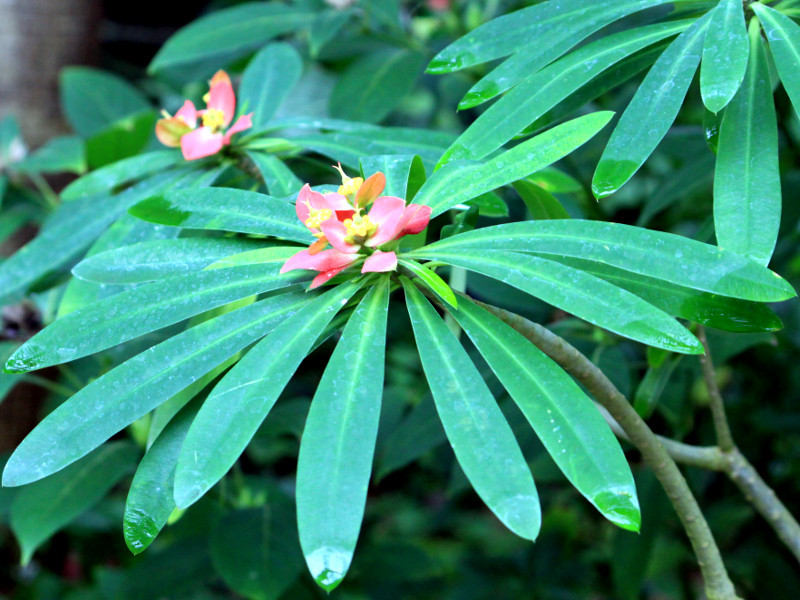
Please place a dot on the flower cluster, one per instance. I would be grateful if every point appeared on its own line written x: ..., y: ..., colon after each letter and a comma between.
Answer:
x: 207, y: 139
x: 338, y: 219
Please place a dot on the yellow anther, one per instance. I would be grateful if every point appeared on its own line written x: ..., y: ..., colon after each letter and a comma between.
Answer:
x: 316, y: 216
x: 213, y: 118
x: 350, y: 185
x: 359, y: 229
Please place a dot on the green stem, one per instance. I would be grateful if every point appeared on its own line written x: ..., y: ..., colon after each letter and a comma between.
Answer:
x: 717, y: 405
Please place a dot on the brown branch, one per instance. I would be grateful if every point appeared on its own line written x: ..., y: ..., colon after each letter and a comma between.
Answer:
x: 717, y: 405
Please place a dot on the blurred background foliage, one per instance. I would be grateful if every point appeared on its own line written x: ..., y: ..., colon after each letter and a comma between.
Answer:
x: 426, y: 534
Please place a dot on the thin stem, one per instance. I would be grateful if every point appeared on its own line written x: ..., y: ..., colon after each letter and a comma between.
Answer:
x: 718, y: 585
x: 717, y: 405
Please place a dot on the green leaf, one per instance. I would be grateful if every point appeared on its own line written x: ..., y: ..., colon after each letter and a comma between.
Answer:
x: 227, y: 34
x: 268, y: 81
x: 326, y: 27
x: 398, y: 168
x: 258, y: 256
x: 725, y: 53
x: 72, y: 227
x: 565, y: 419
x: 93, y: 99
x: 255, y: 550
x: 537, y: 94
x: 225, y: 209
x: 476, y: 428
x: 150, y: 501
x: 12, y: 146
x: 64, y: 154
x: 143, y: 309
x: 784, y: 42
x: 649, y: 391
x: 541, y: 203
x: 464, y: 221
x: 461, y: 182
x: 124, y: 138
x: 278, y: 178
x: 335, y: 459
x: 747, y: 186
x: 656, y: 254
x: 7, y: 381
x: 576, y: 292
x: 430, y: 280
x: 104, y: 180
x: 159, y: 259
x: 373, y: 86
x: 565, y: 20
x: 656, y: 103
x: 242, y: 399
x: 554, y: 181
x: 41, y: 509
x: 704, y: 308
x: 139, y: 385
x: 489, y: 205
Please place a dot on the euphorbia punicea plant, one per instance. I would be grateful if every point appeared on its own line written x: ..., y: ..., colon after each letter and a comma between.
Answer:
x: 337, y: 219
x: 207, y: 139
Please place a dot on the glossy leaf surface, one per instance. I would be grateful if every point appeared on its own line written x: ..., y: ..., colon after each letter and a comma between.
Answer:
x: 747, y: 186
x: 563, y: 416
x: 227, y: 210
x: 461, y: 182
x: 268, y: 80
x: 784, y: 42
x: 725, y: 53
x: 335, y: 459
x: 140, y: 385
x: 656, y: 254
x: 476, y: 428
x: 278, y: 178
x: 655, y: 104
x: 242, y: 399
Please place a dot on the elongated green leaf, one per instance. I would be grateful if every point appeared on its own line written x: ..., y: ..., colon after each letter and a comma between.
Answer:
x: 747, y: 186
x: 725, y: 54
x: 72, y: 227
x: 476, y: 428
x: 92, y: 99
x: 392, y: 73
x: 64, y: 154
x: 227, y: 34
x: 784, y: 42
x: 579, y: 293
x: 144, y: 309
x: 430, y: 280
x: 656, y: 254
x: 549, y: 20
x: 7, y: 381
x: 326, y: 27
x: 256, y: 551
x: 554, y: 181
x: 537, y: 94
x: 278, y: 178
x: 564, y: 418
x: 140, y: 385
x: 656, y: 104
x: 126, y: 230
x: 103, y: 181
x: 41, y: 509
x: 150, y: 501
x: 243, y: 398
x: 158, y: 259
x: 464, y: 181
x: 541, y: 203
x: 268, y: 81
x: 704, y: 308
x: 258, y: 256
x: 122, y: 139
x: 649, y: 391
x: 335, y: 460
x: 398, y: 168
x: 225, y: 209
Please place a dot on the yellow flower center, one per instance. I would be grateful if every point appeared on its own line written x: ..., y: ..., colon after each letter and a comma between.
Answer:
x: 316, y: 216
x: 350, y: 185
x: 359, y: 229
x: 213, y: 118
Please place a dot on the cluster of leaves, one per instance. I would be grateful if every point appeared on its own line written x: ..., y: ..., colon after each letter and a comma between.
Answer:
x: 177, y: 272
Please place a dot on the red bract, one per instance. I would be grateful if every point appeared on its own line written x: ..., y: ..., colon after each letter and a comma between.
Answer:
x: 337, y: 219
x: 197, y: 142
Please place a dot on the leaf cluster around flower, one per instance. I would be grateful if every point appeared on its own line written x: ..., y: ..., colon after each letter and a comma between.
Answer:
x: 210, y: 137
x: 337, y: 219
